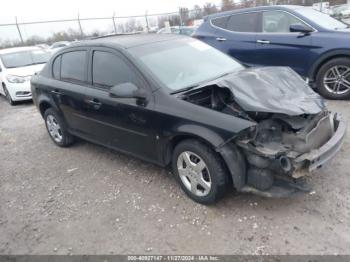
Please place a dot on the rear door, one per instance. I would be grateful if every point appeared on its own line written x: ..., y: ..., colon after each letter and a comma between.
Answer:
x: 68, y: 87
x: 277, y: 46
x: 236, y: 35
x: 122, y: 123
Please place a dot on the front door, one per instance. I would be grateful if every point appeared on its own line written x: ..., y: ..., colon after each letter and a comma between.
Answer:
x: 121, y: 123
x: 277, y: 46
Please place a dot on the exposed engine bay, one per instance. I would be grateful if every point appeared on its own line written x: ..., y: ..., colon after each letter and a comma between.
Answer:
x: 278, y: 144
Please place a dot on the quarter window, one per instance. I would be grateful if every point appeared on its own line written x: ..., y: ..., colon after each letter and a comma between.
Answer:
x: 220, y: 22
x: 73, y: 65
x: 279, y: 22
x: 56, y: 68
x: 247, y: 22
x: 109, y: 70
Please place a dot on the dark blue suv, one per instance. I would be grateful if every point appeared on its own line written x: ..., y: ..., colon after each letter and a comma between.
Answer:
x: 314, y: 44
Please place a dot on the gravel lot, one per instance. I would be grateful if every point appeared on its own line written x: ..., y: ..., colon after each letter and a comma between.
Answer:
x: 90, y: 200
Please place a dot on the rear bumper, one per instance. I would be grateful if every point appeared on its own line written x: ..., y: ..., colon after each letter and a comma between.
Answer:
x: 318, y: 157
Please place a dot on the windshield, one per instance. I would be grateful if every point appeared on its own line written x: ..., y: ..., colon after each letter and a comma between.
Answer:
x: 25, y: 58
x: 184, y: 63
x: 321, y: 19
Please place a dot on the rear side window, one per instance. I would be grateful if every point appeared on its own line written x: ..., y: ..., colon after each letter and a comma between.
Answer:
x: 73, y: 65
x: 109, y: 70
x: 220, y: 21
x: 56, y: 68
x: 248, y: 22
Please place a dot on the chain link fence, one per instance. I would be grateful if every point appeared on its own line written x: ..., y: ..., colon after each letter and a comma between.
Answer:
x: 36, y: 32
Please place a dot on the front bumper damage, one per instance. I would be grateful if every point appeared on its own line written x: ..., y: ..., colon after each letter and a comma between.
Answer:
x: 318, y: 157
x: 292, y: 133
x: 272, y: 174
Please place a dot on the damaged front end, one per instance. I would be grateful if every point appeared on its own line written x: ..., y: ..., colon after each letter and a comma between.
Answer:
x: 294, y: 133
x: 285, y: 149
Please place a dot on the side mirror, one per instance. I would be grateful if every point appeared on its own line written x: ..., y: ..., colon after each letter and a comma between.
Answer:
x: 127, y: 90
x: 300, y: 28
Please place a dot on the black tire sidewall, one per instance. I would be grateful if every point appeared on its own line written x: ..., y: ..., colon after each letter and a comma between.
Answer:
x: 216, y: 167
x: 321, y: 74
x: 8, y: 96
x: 66, y: 137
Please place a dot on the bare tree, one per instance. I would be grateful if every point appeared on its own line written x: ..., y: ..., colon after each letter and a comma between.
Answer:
x: 196, y: 12
x: 130, y: 25
x: 139, y: 26
x: 209, y: 8
x: 34, y: 40
x: 227, y: 5
x: 162, y: 20
x: 184, y: 15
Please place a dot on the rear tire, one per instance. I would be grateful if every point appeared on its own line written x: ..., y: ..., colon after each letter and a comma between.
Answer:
x: 333, y: 79
x: 200, y: 171
x: 57, y: 129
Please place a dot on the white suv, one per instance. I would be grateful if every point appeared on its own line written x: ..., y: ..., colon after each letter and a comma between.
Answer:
x: 17, y: 65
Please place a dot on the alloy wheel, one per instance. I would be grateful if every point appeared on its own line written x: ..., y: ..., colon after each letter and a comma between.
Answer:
x: 54, y: 128
x: 194, y: 173
x: 337, y: 80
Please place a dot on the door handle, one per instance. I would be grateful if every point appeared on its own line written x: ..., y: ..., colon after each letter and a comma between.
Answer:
x: 220, y: 39
x: 56, y: 92
x: 265, y: 42
x: 95, y: 103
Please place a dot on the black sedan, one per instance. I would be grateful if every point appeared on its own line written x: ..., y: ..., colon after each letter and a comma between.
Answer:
x: 176, y: 101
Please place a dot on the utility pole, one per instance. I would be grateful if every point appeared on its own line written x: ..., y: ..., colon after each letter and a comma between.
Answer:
x: 147, y: 26
x: 180, y: 14
x: 114, y: 25
x: 80, y: 27
x: 19, y: 31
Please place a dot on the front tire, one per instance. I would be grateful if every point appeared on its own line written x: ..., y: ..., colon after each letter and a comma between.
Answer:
x: 7, y: 95
x: 333, y: 79
x: 57, y: 129
x: 200, y: 171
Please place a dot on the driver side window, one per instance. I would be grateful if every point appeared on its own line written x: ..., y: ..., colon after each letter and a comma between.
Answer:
x: 279, y: 22
x: 109, y: 70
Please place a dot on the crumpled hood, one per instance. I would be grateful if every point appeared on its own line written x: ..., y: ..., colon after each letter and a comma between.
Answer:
x: 271, y: 89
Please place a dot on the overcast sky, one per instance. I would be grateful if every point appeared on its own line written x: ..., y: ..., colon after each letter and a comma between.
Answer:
x: 38, y: 10
x: 28, y: 10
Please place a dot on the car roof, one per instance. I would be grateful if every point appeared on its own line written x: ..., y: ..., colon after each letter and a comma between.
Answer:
x: 128, y: 40
x: 18, y: 49
x: 258, y: 8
